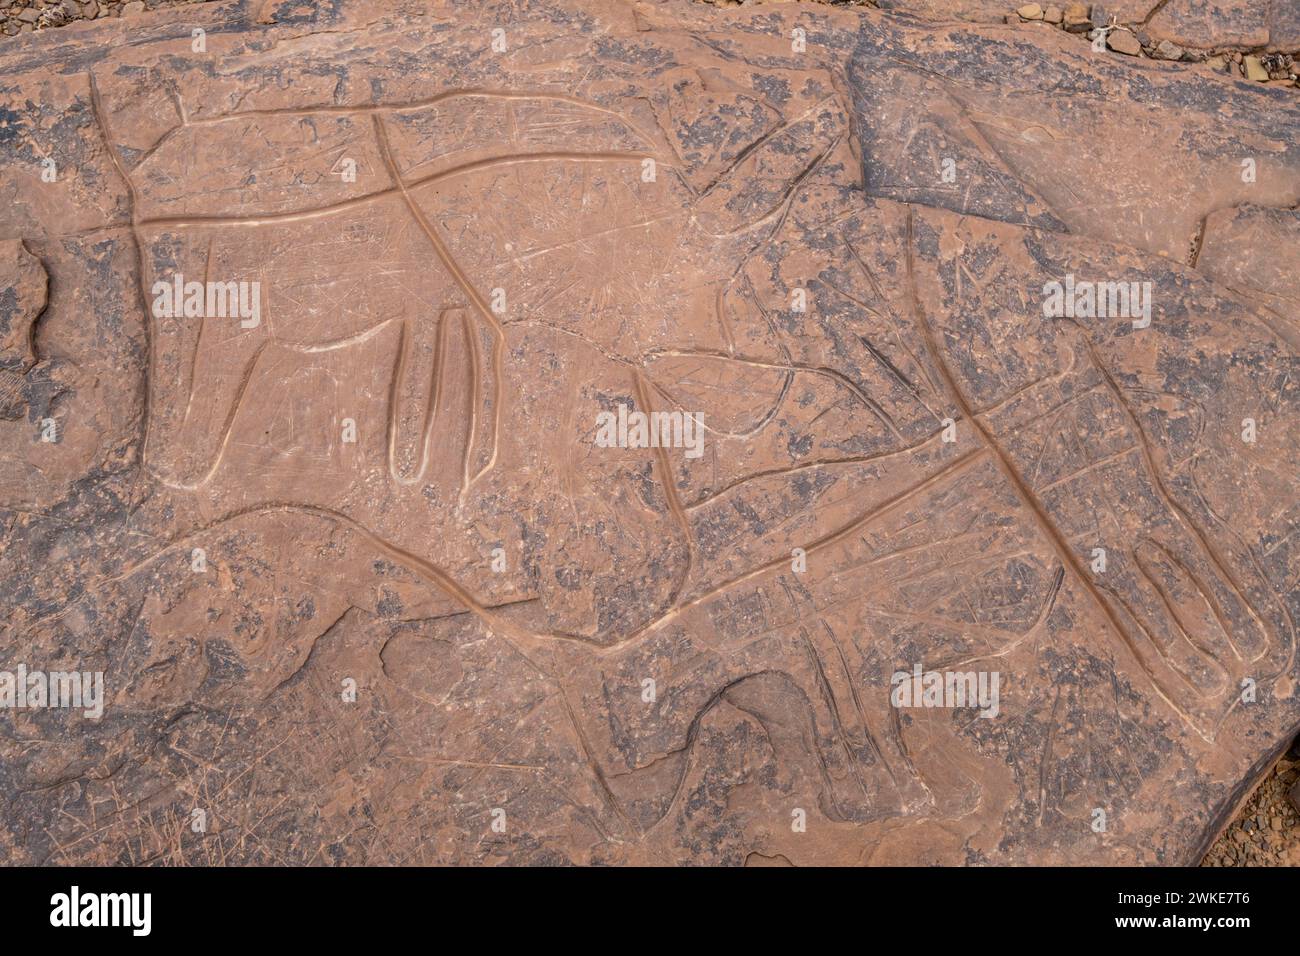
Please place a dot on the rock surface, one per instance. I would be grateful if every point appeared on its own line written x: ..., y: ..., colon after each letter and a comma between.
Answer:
x: 364, y: 583
x: 1193, y: 23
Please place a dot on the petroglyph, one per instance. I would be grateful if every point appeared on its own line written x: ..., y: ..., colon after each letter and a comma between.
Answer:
x: 364, y: 570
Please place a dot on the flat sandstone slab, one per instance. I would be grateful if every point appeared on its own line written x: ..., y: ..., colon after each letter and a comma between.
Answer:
x: 333, y: 344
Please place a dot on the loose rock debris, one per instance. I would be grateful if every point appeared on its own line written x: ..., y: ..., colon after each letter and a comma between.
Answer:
x: 363, y: 588
x: 27, y: 16
x: 1264, y: 832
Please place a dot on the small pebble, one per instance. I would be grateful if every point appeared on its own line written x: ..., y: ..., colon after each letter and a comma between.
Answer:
x: 1165, y: 50
x: 1076, y: 18
x: 1122, y: 41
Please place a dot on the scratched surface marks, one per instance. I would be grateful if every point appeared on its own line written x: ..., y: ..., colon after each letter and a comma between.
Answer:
x: 467, y: 254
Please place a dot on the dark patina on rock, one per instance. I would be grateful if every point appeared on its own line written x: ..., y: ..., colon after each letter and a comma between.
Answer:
x: 365, y: 588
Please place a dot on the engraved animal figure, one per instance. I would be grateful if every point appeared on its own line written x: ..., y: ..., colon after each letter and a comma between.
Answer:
x: 445, y: 221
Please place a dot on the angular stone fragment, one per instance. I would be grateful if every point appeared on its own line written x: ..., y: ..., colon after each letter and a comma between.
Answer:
x: 1076, y: 18
x: 1122, y: 41
x: 359, y: 531
x: 1164, y: 50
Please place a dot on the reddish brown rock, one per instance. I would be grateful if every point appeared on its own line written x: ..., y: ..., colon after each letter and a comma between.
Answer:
x: 367, y: 584
x: 1192, y: 23
x: 1216, y: 23
x: 26, y: 285
x: 1255, y: 250
x: 1123, y: 41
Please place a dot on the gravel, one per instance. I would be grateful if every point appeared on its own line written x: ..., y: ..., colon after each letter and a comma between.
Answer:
x: 1266, y: 832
